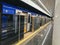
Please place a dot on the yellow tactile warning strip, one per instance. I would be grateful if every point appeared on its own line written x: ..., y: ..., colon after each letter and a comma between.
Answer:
x: 32, y: 34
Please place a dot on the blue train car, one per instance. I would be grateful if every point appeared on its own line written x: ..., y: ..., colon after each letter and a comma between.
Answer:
x: 10, y: 24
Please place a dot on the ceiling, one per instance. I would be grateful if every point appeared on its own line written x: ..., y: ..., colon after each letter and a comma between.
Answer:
x: 24, y: 5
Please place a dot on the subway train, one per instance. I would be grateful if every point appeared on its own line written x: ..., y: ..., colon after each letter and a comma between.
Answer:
x: 15, y: 22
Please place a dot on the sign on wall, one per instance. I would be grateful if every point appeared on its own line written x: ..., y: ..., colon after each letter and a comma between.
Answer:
x: 7, y: 10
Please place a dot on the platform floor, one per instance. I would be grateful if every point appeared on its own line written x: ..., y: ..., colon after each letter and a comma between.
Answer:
x: 27, y: 34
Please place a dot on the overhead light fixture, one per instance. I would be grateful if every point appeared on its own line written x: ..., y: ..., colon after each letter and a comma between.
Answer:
x: 29, y: 2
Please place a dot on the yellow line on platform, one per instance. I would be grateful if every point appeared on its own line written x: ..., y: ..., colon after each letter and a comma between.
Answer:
x: 31, y: 35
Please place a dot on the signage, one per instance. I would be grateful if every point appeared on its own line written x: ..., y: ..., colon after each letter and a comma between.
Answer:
x: 8, y: 10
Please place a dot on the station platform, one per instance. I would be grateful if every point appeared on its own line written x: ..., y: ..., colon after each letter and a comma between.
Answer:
x: 41, y: 36
x: 30, y: 22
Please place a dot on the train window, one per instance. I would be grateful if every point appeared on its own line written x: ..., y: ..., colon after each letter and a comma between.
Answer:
x: 8, y: 29
x: 25, y: 19
x: 4, y: 23
x: 22, y: 19
x: 29, y: 19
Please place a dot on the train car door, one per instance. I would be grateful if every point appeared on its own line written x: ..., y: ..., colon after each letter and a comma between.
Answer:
x: 20, y: 24
x: 29, y: 23
x: 25, y: 14
x: 32, y: 23
x: 31, y: 26
x: 25, y: 24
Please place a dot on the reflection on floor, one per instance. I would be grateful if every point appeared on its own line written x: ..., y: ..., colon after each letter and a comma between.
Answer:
x: 27, y: 34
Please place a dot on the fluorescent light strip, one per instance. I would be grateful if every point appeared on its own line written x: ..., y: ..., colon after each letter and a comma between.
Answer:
x: 44, y: 6
x: 35, y: 6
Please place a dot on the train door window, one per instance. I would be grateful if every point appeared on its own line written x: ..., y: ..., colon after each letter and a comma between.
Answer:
x: 30, y: 23
x: 35, y: 23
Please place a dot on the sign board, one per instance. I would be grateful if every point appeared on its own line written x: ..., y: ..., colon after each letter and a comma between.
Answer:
x: 7, y: 10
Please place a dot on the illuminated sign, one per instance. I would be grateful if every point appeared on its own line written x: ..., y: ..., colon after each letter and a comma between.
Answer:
x: 8, y: 10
